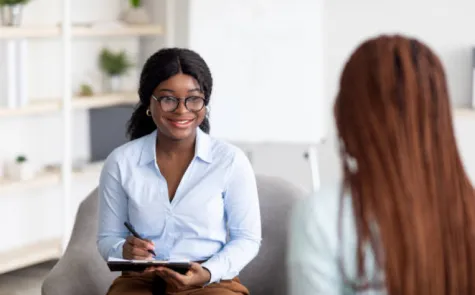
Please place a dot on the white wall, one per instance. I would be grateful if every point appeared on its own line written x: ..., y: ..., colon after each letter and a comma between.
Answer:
x: 266, y: 59
x: 446, y: 26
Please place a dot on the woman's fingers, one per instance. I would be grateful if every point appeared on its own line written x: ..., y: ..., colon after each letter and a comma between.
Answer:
x: 143, y: 244
x: 131, y: 251
x: 170, y: 277
x: 140, y: 252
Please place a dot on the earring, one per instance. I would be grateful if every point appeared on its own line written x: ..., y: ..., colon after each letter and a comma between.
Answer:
x: 207, y: 111
x: 148, y: 112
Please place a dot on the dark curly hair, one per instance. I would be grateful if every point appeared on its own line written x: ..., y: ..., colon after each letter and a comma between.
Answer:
x: 159, y: 67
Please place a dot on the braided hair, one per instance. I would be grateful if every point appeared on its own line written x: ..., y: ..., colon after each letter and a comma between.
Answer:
x: 159, y: 67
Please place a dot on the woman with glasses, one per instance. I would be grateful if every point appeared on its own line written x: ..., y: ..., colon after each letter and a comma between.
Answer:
x: 181, y: 189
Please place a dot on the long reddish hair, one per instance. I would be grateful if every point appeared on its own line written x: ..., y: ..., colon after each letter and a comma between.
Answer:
x: 403, y: 170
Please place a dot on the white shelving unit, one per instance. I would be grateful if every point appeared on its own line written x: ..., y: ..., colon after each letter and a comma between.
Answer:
x: 56, y: 105
x: 47, y: 178
x: 464, y: 112
x: 65, y: 176
x: 79, y: 31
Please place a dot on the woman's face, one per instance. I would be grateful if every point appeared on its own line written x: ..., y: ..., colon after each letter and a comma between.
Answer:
x: 172, y: 117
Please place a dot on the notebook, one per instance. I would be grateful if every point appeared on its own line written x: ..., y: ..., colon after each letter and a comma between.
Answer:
x: 119, y: 264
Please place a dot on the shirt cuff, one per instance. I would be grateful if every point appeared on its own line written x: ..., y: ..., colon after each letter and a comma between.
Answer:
x: 116, y: 250
x: 215, y: 269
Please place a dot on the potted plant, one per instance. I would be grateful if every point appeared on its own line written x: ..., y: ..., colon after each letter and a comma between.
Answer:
x: 10, y: 11
x: 114, y: 65
x: 21, y: 169
x: 86, y: 90
x: 136, y: 14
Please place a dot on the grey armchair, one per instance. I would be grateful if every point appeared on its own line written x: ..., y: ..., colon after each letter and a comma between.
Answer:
x: 82, y: 271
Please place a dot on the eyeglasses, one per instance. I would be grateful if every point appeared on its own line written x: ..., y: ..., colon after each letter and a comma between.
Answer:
x: 170, y: 103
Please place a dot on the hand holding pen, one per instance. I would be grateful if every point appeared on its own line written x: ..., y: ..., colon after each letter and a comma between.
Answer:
x: 136, y: 247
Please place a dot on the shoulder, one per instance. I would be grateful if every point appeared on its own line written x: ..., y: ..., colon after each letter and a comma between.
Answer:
x: 316, y: 217
x: 232, y: 163
x: 128, y: 152
x: 315, y: 228
x: 315, y: 223
x: 224, y: 151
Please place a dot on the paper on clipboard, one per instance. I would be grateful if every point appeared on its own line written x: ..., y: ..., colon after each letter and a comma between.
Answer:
x: 116, y: 259
x: 120, y: 264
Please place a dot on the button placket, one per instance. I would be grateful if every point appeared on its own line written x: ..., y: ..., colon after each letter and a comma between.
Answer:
x: 172, y: 232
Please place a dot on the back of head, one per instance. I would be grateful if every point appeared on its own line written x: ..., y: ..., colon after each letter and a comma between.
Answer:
x: 412, y: 200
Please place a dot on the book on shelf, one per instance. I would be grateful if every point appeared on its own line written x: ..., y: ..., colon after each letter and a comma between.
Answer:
x: 13, y: 73
x: 22, y: 73
x: 8, y: 74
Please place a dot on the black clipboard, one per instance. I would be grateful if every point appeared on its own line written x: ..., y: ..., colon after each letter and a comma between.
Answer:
x: 141, y: 265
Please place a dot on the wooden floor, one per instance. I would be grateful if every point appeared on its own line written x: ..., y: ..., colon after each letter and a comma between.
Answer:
x: 26, y: 281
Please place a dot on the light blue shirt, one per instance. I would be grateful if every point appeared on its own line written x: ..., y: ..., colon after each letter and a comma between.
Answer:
x: 216, y: 196
x: 315, y: 247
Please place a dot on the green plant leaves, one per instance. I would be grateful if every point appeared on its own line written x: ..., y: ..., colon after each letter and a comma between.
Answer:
x: 86, y: 90
x: 13, y: 2
x: 21, y: 159
x: 114, y: 64
x: 135, y: 3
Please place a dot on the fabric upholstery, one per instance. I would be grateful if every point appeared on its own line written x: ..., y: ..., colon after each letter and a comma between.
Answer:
x: 82, y: 271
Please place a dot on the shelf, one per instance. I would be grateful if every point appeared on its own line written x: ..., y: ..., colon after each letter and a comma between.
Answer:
x: 48, y: 178
x: 55, y: 105
x: 143, y: 30
x: 105, y: 100
x: 34, y: 108
x: 89, y: 169
x: 44, y: 179
x: 31, y: 254
x: 465, y: 112
x: 29, y: 32
x: 80, y: 31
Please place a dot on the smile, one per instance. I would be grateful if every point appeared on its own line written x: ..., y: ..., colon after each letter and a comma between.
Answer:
x: 181, y: 123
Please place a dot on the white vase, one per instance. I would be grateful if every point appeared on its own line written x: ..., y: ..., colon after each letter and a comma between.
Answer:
x: 136, y: 16
x: 113, y: 84
x: 11, y: 14
x: 21, y: 171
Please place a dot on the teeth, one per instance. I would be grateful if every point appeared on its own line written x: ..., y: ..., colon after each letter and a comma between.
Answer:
x: 182, y: 122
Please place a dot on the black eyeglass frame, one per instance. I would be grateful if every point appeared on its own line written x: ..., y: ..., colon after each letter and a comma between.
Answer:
x: 178, y: 101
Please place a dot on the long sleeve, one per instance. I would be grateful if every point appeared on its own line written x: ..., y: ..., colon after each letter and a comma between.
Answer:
x: 313, y: 267
x: 112, y: 210
x: 244, y: 222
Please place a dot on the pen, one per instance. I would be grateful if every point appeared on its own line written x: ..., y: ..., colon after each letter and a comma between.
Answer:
x: 136, y: 234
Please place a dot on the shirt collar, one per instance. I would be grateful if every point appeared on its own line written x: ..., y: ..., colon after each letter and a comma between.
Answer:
x: 202, y: 147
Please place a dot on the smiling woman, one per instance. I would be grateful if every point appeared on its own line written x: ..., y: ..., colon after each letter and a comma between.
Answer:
x: 173, y: 118
x: 166, y: 73
x: 181, y: 189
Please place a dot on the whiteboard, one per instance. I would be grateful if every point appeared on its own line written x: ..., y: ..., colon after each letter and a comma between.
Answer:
x: 464, y: 123
x: 266, y: 58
